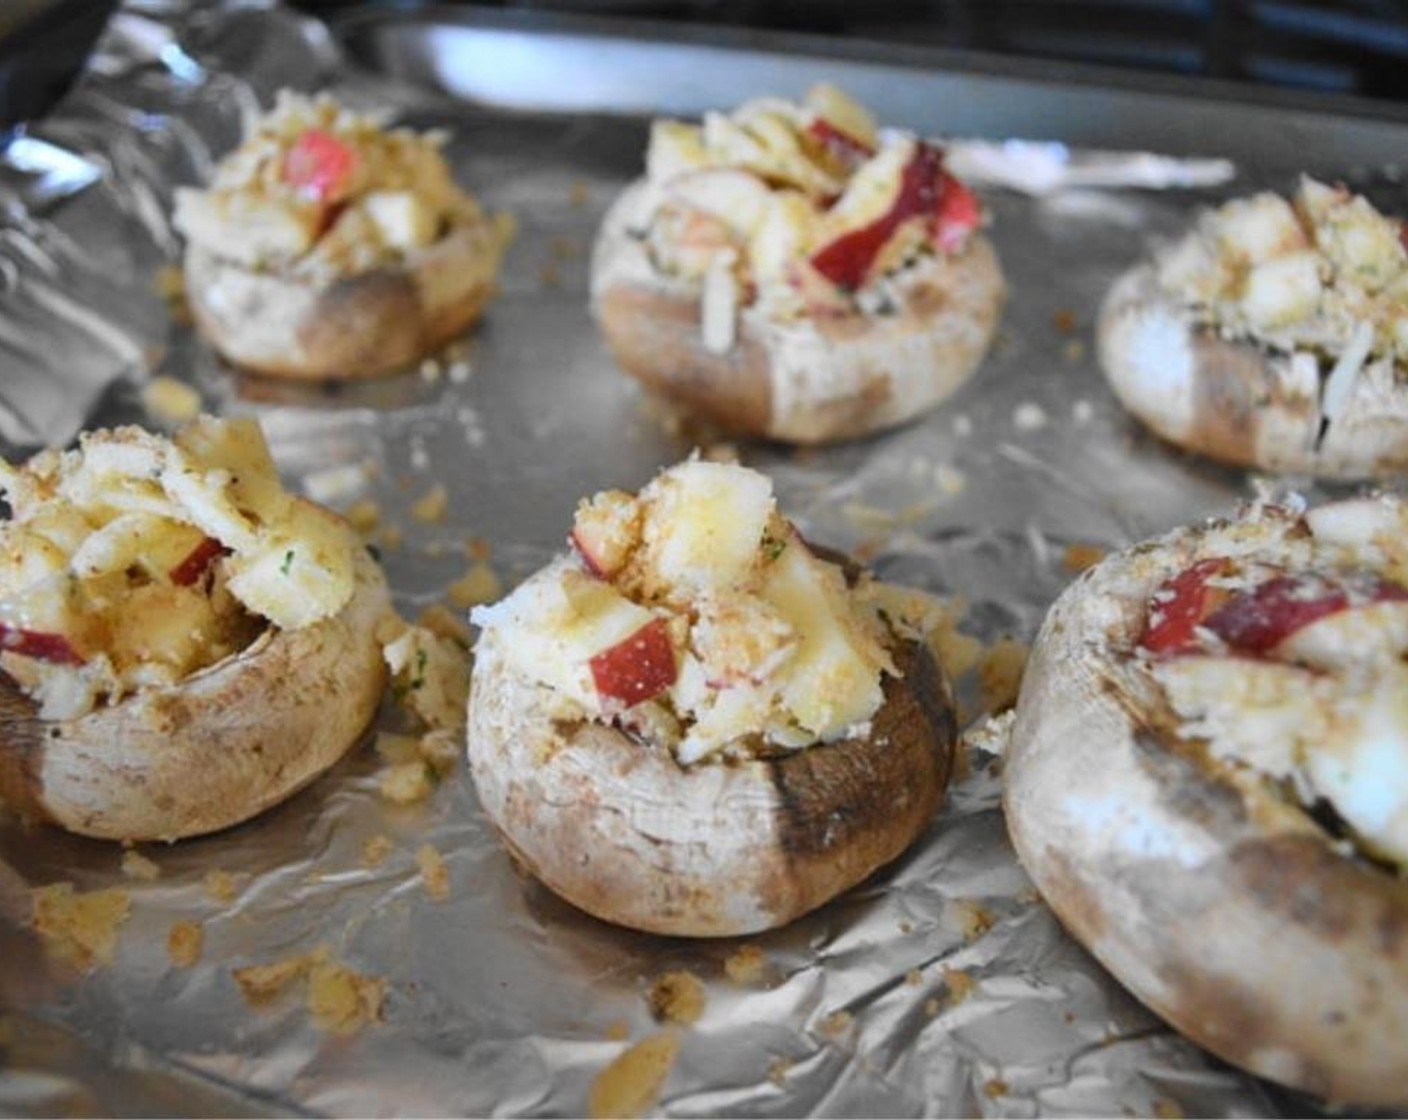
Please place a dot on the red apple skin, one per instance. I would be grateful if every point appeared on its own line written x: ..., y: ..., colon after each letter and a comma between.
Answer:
x: 927, y: 191
x: 1259, y: 619
x: 197, y: 562
x: 957, y: 216
x: 637, y: 668
x: 320, y: 166
x: 54, y: 648
x: 848, y: 149
x: 582, y: 542
x: 1179, y: 606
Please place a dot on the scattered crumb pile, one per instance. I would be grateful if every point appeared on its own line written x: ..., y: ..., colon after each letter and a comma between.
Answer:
x: 340, y: 1000
x: 79, y: 927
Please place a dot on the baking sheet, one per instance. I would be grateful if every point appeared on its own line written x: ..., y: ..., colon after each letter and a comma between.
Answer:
x: 940, y: 987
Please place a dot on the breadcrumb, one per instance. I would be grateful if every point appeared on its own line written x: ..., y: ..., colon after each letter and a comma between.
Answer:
x: 137, y: 866
x: 405, y: 783
x: 974, y: 919
x: 835, y: 1024
x: 914, y: 978
x: 677, y: 997
x: 960, y: 984
x: 390, y: 537
x: 431, y: 507
x: 169, y: 401
x: 995, y: 1087
x: 478, y: 585
x: 262, y: 983
x: 1029, y: 417
x: 184, y: 942
x: 746, y: 965
x: 1166, y: 1109
x: 364, y: 516
x: 1079, y: 556
x: 631, y: 1084
x: 375, y: 850
x: 618, y: 1030
x: 79, y: 927
x: 445, y: 623
x: 220, y: 885
x: 778, y: 1069
x: 342, y: 1001
x: 433, y: 872
x: 1000, y: 673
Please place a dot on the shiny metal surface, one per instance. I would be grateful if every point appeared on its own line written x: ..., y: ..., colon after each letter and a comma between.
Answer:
x: 941, y: 987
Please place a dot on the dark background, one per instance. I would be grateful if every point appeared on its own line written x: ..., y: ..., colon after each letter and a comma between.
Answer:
x: 1341, y: 46
x: 1344, y: 46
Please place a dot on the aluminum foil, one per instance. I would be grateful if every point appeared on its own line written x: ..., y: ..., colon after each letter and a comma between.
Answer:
x: 941, y: 986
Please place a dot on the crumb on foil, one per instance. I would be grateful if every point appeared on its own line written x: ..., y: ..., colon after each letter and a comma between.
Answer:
x: 631, y: 1084
x: 137, y: 866
x: 677, y: 997
x: 746, y: 965
x: 1080, y: 555
x: 972, y: 918
x: 778, y: 1069
x: 430, y: 508
x: 618, y: 1030
x: 375, y: 850
x: 340, y: 1000
x: 433, y: 872
x: 479, y: 584
x: 221, y: 885
x: 836, y: 1023
x: 170, y: 402
x: 184, y: 941
x: 80, y: 927
x: 1000, y: 673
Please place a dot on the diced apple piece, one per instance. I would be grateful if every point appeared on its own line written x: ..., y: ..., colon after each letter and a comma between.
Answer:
x: 606, y: 531
x: 238, y: 446
x: 637, y: 668
x: 156, y: 543
x: 1257, y: 620
x: 249, y: 230
x: 53, y: 648
x: 1282, y: 290
x: 553, y: 624
x: 704, y: 524
x: 401, y: 219
x: 675, y: 147
x: 838, y: 116
x: 1357, y: 523
x: 1259, y: 228
x: 203, y: 497
x: 737, y: 198
x: 174, y: 626
x: 914, y: 190
x: 786, y: 233
x: 831, y: 681
x: 1179, y: 607
x: 300, y: 571
x: 320, y: 166
x: 1363, y: 769
x: 48, y: 615
x: 61, y: 524
x: 1355, y: 636
x: 873, y: 190
x: 27, y: 559
x: 193, y: 566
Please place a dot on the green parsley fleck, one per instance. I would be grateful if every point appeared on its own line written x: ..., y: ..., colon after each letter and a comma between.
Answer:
x: 772, y: 546
x: 287, y: 564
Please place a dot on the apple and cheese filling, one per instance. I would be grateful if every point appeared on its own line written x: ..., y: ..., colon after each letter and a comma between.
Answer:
x: 136, y: 560
x: 1322, y: 275
x: 799, y: 209
x: 318, y: 192
x: 694, y: 615
x: 1299, y: 672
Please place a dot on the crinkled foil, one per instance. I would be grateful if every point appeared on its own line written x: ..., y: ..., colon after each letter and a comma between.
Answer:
x: 943, y: 986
